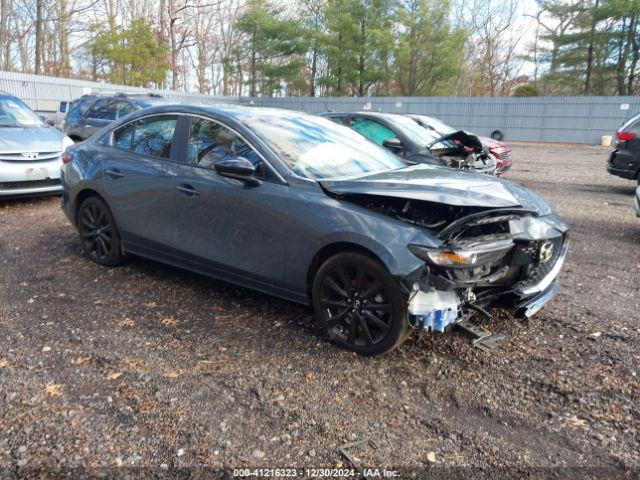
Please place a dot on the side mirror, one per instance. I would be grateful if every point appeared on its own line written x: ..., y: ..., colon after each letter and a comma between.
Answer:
x: 393, y: 143
x: 238, y: 168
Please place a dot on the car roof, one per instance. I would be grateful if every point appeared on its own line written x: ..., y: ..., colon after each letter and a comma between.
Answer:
x: 123, y: 96
x: 237, y: 112
x: 362, y: 113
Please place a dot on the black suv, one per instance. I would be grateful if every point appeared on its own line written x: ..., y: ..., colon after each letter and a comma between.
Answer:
x: 90, y: 113
x: 624, y: 160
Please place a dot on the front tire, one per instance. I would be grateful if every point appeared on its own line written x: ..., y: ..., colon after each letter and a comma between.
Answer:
x: 99, y: 235
x: 359, y: 305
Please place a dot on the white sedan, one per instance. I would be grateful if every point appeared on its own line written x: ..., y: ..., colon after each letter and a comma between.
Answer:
x: 30, y: 151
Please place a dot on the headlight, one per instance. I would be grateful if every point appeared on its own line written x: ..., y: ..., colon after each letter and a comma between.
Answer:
x: 464, y: 255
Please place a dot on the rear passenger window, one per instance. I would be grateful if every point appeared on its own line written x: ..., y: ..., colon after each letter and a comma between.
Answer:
x: 102, y: 110
x: 121, y: 108
x: 78, y: 109
x: 152, y: 136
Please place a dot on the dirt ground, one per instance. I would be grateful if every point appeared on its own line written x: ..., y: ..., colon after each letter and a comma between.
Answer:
x: 150, y: 366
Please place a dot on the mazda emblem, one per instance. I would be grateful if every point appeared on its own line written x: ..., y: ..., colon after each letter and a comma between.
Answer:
x: 546, y: 252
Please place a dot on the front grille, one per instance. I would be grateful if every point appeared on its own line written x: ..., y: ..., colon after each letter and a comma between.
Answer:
x: 25, y: 157
x: 537, y: 270
x: 505, y: 156
x: 49, y: 182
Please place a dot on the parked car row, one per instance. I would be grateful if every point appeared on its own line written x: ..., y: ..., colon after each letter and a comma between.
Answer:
x: 374, y: 233
x: 304, y: 208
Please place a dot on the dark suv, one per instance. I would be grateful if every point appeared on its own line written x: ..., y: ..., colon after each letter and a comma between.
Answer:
x: 624, y: 160
x: 90, y: 113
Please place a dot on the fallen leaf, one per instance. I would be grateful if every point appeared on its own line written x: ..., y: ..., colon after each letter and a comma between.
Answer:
x: 309, y: 377
x: 211, y: 362
x: 431, y: 457
x: 575, y: 421
x: 222, y: 349
x: 3, y: 363
x: 81, y: 360
x: 171, y: 374
x: 127, y: 322
x: 170, y: 322
x: 53, y: 390
x: 31, y: 300
x: 149, y: 305
x: 216, y: 308
x: 24, y: 284
x: 132, y: 363
x: 114, y: 375
x: 98, y: 302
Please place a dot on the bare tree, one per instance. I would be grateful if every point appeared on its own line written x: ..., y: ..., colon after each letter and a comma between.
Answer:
x: 493, y: 59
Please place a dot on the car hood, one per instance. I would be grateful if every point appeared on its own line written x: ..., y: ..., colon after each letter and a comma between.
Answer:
x: 448, y: 186
x: 30, y: 139
x: 491, y: 143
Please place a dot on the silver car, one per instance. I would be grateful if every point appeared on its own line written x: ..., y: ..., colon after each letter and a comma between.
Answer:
x: 30, y: 151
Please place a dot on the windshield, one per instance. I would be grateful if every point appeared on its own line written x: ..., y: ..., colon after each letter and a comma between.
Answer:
x: 411, y: 129
x: 433, y: 123
x: 315, y: 147
x: 14, y: 113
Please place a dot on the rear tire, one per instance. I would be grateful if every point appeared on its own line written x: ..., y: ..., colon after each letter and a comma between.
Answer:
x: 359, y: 305
x: 98, y: 232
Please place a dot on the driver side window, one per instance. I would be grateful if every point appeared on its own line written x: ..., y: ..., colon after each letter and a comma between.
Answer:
x: 371, y: 129
x: 210, y: 142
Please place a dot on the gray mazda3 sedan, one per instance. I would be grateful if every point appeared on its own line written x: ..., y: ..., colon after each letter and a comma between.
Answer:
x: 302, y: 208
x: 30, y: 151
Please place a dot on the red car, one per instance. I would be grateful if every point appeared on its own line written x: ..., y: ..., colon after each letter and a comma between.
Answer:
x: 498, y: 149
x: 502, y: 153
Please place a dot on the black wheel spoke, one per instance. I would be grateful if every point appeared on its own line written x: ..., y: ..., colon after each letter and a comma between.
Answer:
x: 380, y: 324
x: 374, y: 288
x: 353, y: 330
x: 344, y: 278
x: 378, y: 307
x: 334, y: 303
x: 365, y: 329
x: 87, y: 223
x: 331, y: 283
x: 98, y: 248
x: 359, y: 279
x: 335, y: 319
x: 102, y: 219
x: 89, y: 216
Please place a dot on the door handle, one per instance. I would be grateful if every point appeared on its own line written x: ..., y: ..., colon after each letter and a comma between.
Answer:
x: 188, y: 190
x: 114, y: 173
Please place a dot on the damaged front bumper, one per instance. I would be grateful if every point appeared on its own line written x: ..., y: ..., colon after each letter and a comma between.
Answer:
x: 524, y: 279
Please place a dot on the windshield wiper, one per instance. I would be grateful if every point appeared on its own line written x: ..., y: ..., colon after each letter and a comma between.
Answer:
x: 11, y: 125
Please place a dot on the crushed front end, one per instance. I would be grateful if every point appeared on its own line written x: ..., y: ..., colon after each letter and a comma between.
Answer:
x: 496, y: 258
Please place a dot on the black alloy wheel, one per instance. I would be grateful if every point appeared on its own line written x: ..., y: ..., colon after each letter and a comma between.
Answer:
x: 98, y: 232
x: 358, y: 304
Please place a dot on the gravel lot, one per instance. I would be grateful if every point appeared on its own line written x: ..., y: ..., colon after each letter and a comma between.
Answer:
x: 148, y: 365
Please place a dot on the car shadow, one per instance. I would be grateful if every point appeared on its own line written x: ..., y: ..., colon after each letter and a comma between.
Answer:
x: 26, y: 200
